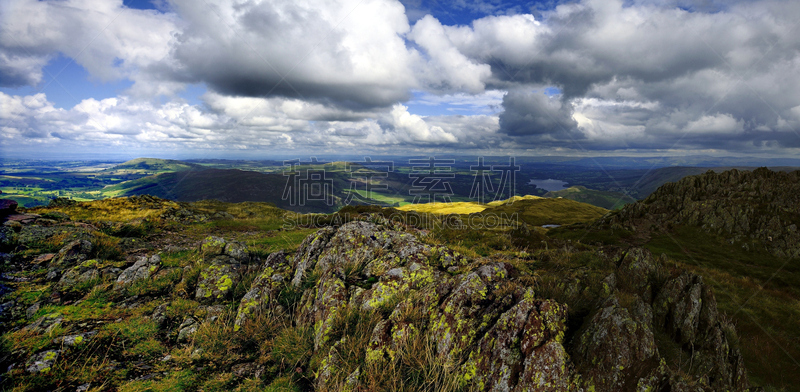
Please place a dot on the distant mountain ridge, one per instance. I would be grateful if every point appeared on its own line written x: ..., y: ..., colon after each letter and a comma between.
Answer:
x: 152, y: 165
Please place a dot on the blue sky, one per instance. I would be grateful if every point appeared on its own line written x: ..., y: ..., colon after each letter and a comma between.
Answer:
x: 588, y: 77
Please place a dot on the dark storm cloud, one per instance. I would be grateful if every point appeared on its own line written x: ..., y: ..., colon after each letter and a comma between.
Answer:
x: 534, y: 113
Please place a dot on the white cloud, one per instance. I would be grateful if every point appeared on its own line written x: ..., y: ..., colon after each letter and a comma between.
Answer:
x: 109, y: 40
x: 449, y: 69
x: 345, y: 52
x: 340, y: 74
x: 415, y: 130
x: 715, y: 124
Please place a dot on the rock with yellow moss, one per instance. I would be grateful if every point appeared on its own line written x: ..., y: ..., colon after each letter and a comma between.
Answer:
x: 263, y: 294
x: 217, y: 282
x: 143, y: 268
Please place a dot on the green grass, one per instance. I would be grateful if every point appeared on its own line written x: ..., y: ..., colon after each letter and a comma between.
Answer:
x: 288, y: 240
x: 156, y: 286
x: 94, y: 309
x: 179, y: 381
x: 540, y: 212
x: 760, y: 293
x: 390, y: 199
x: 603, y: 199
x: 461, y: 208
x: 179, y: 259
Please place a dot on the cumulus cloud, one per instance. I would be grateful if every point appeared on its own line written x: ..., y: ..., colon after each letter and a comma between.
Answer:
x: 223, y: 124
x: 109, y: 40
x: 415, y: 129
x: 345, y: 53
x: 449, y: 69
x: 638, y: 75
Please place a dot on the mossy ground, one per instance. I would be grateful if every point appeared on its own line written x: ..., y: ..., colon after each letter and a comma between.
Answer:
x: 129, y: 346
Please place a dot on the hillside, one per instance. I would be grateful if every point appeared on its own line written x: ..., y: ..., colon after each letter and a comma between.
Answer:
x: 142, y: 293
x: 755, y: 209
x: 603, y: 199
x: 227, y: 185
x: 539, y: 212
x: 646, y: 184
x: 150, y: 166
x: 737, y: 229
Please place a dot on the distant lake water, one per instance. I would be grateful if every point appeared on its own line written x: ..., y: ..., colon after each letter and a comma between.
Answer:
x: 549, y: 184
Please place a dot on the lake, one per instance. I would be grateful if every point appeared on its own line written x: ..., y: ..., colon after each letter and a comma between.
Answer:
x: 549, y: 184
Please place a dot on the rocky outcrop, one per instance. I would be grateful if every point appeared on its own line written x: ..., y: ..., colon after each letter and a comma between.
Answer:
x: 499, y: 336
x: 616, y: 348
x: 7, y: 207
x: 42, y: 362
x: 80, y: 278
x: 371, y: 295
x: 75, y: 339
x: 755, y: 210
x: 687, y: 310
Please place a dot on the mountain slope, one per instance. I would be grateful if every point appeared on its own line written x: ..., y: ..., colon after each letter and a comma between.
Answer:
x: 151, y: 166
x: 739, y: 230
x: 227, y: 185
x: 602, y: 199
x: 754, y: 209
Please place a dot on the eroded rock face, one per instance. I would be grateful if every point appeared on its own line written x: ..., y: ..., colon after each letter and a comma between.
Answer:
x: 263, y: 294
x: 524, y: 351
x: 80, y: 278
x: 45, y: 323
x: 187, y: 329
x: 616, y: 349
x: 217, y: 281
x: 755, y: 209
x: 687, y: 309
x: 499, y: 340
x: 42, y: 362
x: 75, y: 339
x: 618, y: 346
x: 497, y: 335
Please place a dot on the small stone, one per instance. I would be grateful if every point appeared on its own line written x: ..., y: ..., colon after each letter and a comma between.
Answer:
x: 187, y: 328
x: 31, y: 311
x: 244, y: 370
x: 42, y: 362
x: 75, y: 340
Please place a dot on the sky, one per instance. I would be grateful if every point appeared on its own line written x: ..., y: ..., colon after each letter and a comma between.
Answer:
x: 263, y: 79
